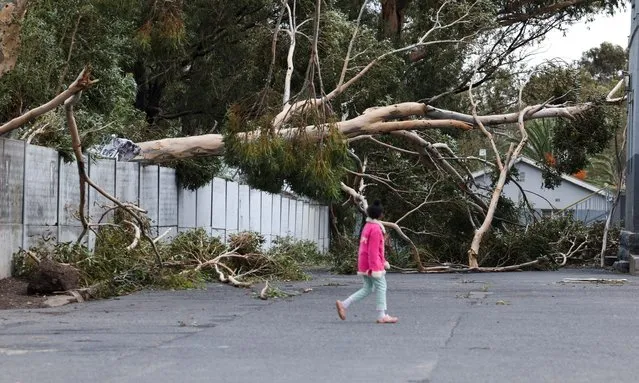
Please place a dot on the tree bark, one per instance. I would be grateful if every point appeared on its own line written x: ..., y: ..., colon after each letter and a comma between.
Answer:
x: 393, y: 17
x: 11, y: 16
x: 79, y: 158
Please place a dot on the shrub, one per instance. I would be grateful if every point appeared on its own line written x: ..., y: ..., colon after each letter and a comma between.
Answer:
x: 246, y: 242
x: 302, y: 251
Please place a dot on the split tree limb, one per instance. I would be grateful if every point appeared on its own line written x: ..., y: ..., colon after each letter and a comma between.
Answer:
x: 511, y: 157
x: 81, y: 83
x: 79, y: 158
x: 609, y: 97
x: 85, y: 180
x: 373, y: 121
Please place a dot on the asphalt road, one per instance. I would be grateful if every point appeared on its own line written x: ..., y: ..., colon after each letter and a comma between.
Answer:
x: 507, y: 327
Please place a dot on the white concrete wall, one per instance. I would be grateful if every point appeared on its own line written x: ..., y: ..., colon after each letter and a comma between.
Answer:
x: 40, y: 195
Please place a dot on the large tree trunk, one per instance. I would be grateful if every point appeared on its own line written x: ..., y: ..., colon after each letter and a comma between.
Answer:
x: 511, y: 157
x: 11, y: 16
x: 473, y: 252
x: 373, y: 121
x: 393, y: 17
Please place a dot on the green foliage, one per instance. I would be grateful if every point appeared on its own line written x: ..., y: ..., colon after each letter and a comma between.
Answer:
x: 58, y: 39
x: 195, y: 244
x: 246, y: 242
x: 547, y: 239
x: 193, y: 173
x: 540, y: 138
x: 343, y: 255
x: 286, y: 267
x: 53, y: 133
x: 569, y: 144
x: 607, y: 170
x: 589, y: 134
x: 544, y: 240
x: 605, y: 62
x: 302, y: 251
x: 311, y: 166
x: 173, y: 68
x: 403, y: 255
x: 111, y: 266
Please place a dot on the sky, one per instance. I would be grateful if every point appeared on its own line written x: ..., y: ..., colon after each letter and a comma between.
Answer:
x: 583, y: 36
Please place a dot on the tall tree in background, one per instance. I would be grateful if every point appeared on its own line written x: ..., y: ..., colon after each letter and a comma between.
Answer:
x: 11, y: 16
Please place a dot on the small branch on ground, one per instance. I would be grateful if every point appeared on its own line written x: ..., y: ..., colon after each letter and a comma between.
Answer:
x: 264, y: 291
x: 136, y: 239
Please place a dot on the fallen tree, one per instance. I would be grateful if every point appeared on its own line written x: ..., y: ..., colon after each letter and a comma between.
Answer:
x: 189, y: 259
x: 382, y: 120
x: 309, y: 116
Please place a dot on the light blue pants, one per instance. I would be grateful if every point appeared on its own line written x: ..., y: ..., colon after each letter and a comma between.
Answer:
x: 370, y: 283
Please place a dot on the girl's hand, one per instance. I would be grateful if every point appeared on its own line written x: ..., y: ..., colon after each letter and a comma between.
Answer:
x: 386, y: 265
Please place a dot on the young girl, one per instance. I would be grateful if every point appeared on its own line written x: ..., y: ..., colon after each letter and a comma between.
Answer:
x: 371, y: 265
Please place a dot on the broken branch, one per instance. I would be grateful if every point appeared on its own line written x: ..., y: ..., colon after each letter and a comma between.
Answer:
x: 81, y: 83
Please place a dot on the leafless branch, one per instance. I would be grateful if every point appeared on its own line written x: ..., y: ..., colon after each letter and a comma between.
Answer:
x: 136, y: 238
x: 82, y: 82
x: 85, y: 180
x: 71, y: 44
x: 373, y: 139
x: 159, y: 237
x: 609, y: 97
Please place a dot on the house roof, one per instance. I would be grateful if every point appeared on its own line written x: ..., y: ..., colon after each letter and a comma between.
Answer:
x: 572, y: 180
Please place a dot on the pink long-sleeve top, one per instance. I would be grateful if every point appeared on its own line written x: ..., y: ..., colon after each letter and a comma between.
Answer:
x: 370, y: 260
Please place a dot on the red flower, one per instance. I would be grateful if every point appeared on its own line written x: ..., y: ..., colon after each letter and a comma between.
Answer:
x: 581, y: 174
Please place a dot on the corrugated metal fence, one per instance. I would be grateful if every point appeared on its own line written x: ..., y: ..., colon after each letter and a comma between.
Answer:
x: 39, y: 196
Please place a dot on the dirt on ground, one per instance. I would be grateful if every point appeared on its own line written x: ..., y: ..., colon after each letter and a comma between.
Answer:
x: 13, y: 295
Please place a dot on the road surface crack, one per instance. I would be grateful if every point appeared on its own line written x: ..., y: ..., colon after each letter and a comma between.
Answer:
x: 452, y: 330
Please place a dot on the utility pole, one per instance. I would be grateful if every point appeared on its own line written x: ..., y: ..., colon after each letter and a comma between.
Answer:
x: 628, y: 257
